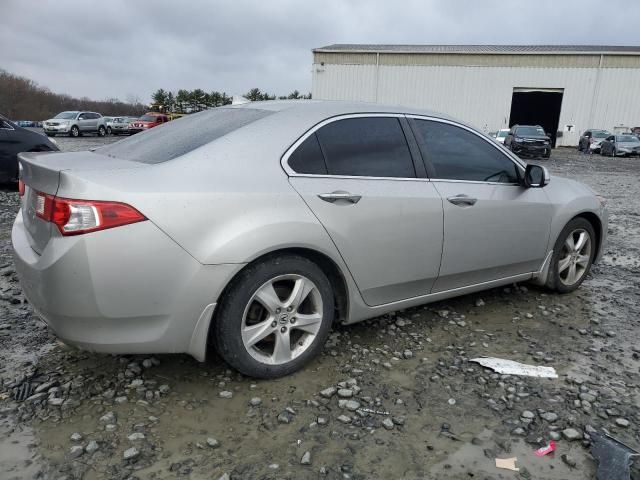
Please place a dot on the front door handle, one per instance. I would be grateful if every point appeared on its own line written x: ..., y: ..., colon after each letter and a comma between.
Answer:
x: 462, y: 200
x: 335, y: 196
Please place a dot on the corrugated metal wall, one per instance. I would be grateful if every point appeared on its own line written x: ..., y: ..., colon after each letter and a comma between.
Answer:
x: 481, y: 95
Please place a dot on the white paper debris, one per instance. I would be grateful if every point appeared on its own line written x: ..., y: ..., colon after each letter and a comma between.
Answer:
x: 509, y: 367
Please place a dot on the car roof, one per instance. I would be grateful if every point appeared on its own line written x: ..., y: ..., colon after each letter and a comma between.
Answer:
x: 330, y: 108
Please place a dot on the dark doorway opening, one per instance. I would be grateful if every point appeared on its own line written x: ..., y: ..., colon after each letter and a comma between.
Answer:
x: 536, y: 107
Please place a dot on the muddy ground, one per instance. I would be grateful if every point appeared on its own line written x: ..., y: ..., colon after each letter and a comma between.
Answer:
x: 429, y: 412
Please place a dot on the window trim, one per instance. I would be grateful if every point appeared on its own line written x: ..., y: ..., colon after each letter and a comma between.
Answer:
x: 520, y: 165
x: 284, y: 161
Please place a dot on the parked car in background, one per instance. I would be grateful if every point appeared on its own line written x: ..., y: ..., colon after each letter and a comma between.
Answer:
x: 289, y: 226
x: 15, y: 139
x: 119, y: 125
x: 501, y: 135
x: 75, y: 123
x: 26, y: 123
x: 528, y: 140
x: 147, y: 121
x: 622, y: 145
x: 592, y: 139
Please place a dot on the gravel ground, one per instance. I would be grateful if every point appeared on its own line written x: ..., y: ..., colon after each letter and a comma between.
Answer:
x: 394, y: 397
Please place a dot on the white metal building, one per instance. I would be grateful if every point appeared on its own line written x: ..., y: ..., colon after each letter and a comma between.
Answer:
x: 566, y: 89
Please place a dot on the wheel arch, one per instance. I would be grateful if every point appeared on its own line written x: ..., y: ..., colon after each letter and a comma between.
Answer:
x: 328, y: 266
x: 596, y: 223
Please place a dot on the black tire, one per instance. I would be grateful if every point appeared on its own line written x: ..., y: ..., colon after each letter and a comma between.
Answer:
x: 101, y: 131
x: 109, y: 131
x: 74, y: 132
x: 554, y: 280
x: 225, y: 333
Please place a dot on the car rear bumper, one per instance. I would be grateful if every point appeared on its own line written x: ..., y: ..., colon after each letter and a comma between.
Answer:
x: 124, y: 290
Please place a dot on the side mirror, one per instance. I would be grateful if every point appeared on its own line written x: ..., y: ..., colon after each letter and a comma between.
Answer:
x: 536, y: 176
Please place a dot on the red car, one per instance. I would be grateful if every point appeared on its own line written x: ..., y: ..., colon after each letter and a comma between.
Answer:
x: 147, y: 121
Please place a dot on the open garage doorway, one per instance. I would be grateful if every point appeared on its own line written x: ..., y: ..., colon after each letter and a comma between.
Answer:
x: 533, y: 106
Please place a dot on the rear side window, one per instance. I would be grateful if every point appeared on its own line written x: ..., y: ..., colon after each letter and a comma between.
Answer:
x: 308, y: 158
x: 183, y: 135
x: 366, y: 147
x: 458, y: 154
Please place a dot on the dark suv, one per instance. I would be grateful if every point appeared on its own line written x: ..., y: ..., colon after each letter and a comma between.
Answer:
x: 528, y: 140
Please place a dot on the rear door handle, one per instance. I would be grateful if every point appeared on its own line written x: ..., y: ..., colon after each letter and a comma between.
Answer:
x: 335, y: 196
x: 462, y: 200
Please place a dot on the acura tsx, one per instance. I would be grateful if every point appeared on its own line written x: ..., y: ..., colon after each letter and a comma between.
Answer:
x: 253, y: 228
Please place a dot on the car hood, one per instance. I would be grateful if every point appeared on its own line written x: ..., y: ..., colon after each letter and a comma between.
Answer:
x: 533, y: 137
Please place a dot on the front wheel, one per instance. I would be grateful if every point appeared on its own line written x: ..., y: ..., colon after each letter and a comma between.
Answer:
x: 275, y: 317
x: 109, y: 131
x: 75, y: 131
x: 572, y: 257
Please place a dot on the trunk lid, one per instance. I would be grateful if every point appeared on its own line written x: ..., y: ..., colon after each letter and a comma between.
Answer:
x: 41, y: 173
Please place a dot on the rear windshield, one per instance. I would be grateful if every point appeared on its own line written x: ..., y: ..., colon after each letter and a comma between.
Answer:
x: 502, y: 133
x: 183, y: 135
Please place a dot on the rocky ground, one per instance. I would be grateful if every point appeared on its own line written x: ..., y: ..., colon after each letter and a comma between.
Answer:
x: 394, y: 397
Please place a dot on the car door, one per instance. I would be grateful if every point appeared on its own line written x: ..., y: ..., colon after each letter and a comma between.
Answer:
x: 359, y: 178
x: 6, y: 151
x: 84, y: 121
x: 493, y: 227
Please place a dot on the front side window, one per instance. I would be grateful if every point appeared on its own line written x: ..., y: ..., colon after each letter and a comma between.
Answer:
x: 366, y: 147
x: 458, y: 154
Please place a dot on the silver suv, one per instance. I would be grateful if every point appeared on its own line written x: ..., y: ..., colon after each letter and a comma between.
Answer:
x: 75, y: 123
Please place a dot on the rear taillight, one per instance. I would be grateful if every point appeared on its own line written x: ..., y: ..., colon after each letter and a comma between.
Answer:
x: 75, y: 217
x: 20, y: 188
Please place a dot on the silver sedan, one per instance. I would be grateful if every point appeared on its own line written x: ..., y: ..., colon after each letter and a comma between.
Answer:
x: 253, y: 228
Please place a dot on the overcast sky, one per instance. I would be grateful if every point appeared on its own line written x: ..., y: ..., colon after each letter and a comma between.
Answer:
x: 130, y: 48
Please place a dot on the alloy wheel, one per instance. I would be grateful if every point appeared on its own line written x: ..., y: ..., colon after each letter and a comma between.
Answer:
x: 575, y: 257
x: 282, y: 319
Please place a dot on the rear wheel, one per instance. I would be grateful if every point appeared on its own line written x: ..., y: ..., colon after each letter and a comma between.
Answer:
x: 275, y: 317
x: 572, y: 257
x: 101, y: 131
